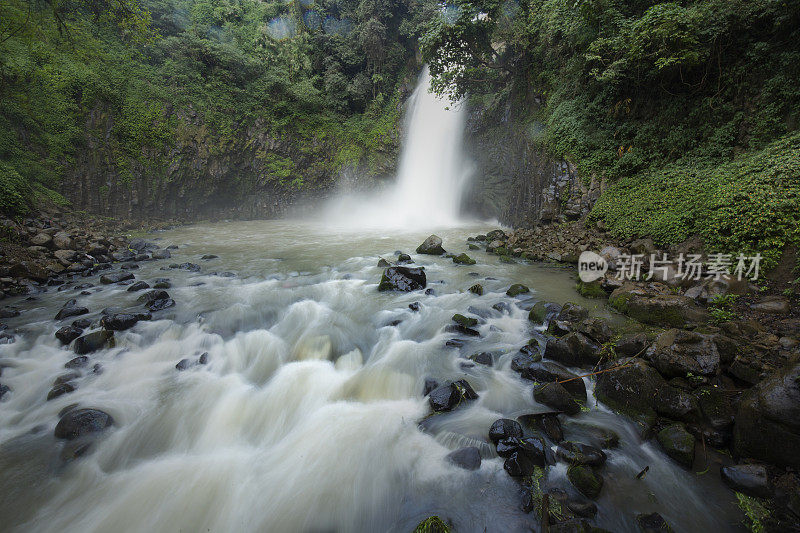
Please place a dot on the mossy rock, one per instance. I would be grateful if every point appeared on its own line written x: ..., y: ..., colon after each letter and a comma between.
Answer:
x: 433, y: 524
x: 465, y: 321
x: 501, y: 251
x: 538, y: 313
x: 463, y: 259
x: 678, y: 443
x: 586, y: 480
x: 506, y: 259
x: 517, y: 289
x: 591, y: 289
x: 473, y: 246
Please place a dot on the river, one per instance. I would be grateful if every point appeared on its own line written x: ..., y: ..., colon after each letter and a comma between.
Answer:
x: 310, y: 414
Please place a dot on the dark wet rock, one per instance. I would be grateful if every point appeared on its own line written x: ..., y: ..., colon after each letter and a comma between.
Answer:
x: 404, y: 259
x: 66, y: 377
x: 573, y: 313
x: 559, y: 328
x: 67, y: 334
x: 504, y: 428
x: 458, y: 328
x: 122, y: 321
x: 462, y: 320
x: 431, y: 246
x: 767, y: 426
x: 482, y: 358
x: 70, y: 309
x: 573, y: 349
x: 77, y: 362
x: 522, y: 361
x: 583, y: 508
x: 161, y: 283
x: 430, y: 384
x: 586, y: 480
x: 454, y: 343
x: 4, y: 389
x: 595, y: 329
x: 545, y: 423
x: 383, y: 263
x: 402, y: 279
x: 60, y: 390
x: 468, y: 458
x: 631, y: 390
x: 549, y: 372
x: 716, y: 407
x: 189, y: 267
x: 598, y: 435
x: 82, y: 422
x: 183, y: 364
x: 577, y: 453
x: 750, y: 479
x: 208, y: 257
x: 477, y: 289
x: 678, y: 352
x: 676, y: 404
x: 463, y: 259
x: 203, y: 359
x: 447, y: 397
x: 502, y: 307
x: 159, y: 305
x: 653, y: 523
x: 517, y: 289
x: 93, y: 341
x: 519, y: 464
x: 543, y: 311
x: 161, y: 254
x: 555, y: 396
x: 130, y: 266
x: 414, y: 306
x: 115, y: 277
x: 659, y: 309
x: 430, y: 292
x: 138, y: 286
x: 630, y: 344
x: 9, y: 312
x: 97, y: 369
x: 172, y: 247
x: 678, y: 443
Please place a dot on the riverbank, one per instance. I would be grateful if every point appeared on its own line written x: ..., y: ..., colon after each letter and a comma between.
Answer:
x: 713, y: 375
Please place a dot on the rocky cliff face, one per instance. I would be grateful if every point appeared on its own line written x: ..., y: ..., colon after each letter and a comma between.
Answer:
x: 255, y: 175
x: 518, y: 182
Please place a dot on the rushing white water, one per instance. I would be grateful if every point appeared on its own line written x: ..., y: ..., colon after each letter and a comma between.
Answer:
x: 432, y: 174
x: 308, y: 415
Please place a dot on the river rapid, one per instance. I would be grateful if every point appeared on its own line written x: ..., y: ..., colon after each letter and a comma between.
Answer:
x: 310, y: 414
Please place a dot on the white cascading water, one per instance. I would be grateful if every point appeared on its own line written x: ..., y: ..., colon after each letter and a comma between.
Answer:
x: 432, y: 173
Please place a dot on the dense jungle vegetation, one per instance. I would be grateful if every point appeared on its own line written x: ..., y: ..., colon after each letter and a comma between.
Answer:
x: 688, y: 109
x: 327, y: 71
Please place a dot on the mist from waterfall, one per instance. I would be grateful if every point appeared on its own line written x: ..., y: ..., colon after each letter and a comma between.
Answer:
x: 432, y: 174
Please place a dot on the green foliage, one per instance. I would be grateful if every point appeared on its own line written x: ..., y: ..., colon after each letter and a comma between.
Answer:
x: 754, y: 510
x: 135, y: 76
x: 14, y: 191
x: 721, y: 308
x: 689, y: 109
x: 432, y: 524
x: 749, y: 205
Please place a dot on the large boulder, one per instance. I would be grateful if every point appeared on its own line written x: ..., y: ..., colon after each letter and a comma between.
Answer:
x: 657, y: 308
x: 573, y: 349
x: 631, y: 390
x: 62, y: 240
x: 677, y: 352
x: 448, y: 397
x: 504, y: 428
x: 115, y: 277
x: 586, y: 480
x: 431, y: 246
x: 70, y: 309
x: 550, y: 372
x: 678, y: 443
x: 768, y: 420
x: 751, y: 479
x: 555, y: 396
x: 122, y: 321
x: 401, y: 278
x: 82, y: 422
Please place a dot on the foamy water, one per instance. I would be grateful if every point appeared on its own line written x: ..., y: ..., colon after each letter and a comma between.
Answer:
x: 307, y: 417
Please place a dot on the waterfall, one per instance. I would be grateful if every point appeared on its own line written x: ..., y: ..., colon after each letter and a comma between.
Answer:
x: 432, y: 173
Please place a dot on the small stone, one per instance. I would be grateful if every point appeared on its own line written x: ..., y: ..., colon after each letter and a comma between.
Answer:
x: 504, y: 428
